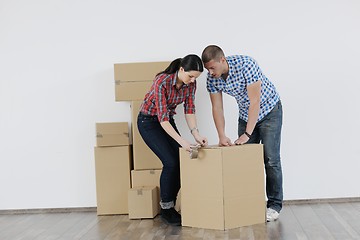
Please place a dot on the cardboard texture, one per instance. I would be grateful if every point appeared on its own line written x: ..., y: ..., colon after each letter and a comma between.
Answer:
x: 112, y: 134
x: 141, y: 178
x: 128, y: 91
x: 144, y: 158
x: 112, y: 168
x: 133, y: 80
x: 141, y: 71
x: 223, y: 187
x: 143, y: 202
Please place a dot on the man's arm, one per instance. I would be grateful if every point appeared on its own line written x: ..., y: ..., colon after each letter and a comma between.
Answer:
x: 254, y: 93
x: 219, y: 119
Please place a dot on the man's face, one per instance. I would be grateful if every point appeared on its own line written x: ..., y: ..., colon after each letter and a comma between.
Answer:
x: 215, y: 68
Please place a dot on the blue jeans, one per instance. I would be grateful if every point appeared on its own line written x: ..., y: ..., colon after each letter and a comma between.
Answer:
x: 268, y: 132
x: 167, y: 150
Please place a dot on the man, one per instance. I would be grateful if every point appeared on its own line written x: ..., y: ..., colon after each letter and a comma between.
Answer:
x: 260, y: 113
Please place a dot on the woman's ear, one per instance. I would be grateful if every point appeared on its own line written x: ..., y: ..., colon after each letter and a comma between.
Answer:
x: 181, y: 69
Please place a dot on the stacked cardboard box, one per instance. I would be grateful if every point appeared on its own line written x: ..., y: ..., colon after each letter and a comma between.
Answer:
x: 132, y: 82
x: 112, y: 134
x: 144, y: 158
x: 143, y: 202
x: 113, y: 162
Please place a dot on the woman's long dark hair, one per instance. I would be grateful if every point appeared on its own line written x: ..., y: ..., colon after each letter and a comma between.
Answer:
x: 190, y: 62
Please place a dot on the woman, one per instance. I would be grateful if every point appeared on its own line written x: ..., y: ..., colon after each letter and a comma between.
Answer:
x: 171, y: 87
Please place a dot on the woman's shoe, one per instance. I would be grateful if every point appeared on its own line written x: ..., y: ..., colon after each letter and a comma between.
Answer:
x: 171, y: 216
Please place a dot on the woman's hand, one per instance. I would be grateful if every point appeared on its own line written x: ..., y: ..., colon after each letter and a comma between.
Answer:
x: 186, y: 145
x: 201, y: 140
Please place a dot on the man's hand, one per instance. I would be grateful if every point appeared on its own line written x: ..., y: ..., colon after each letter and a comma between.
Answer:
x: 242, y: 139
x: 225, y: 141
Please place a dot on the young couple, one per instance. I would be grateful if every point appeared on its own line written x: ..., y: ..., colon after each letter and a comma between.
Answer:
x: 260, y: 118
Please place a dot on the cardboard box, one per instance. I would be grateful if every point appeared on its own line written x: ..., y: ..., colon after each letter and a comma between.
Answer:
x: 128, y: 91
x: 144, y: 158
x: 141, y: 71
x: 112, y: 167
x: 143, y: 202
x: 112, y: 134
x: 223, y: 188
x: 141, y: 178
x: 133, y: 80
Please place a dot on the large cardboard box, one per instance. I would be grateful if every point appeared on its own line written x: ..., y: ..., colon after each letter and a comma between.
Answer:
x: 144, y: 158
x: 128, y: 91
x: 112, y: 167
x: 141, y: 71
x: 223, y: 188
x: 143, y: 202
x: 112, y: 134
x: 133, y: 80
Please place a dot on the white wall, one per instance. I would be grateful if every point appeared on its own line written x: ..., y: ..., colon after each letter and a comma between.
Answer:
x: 56, y: 82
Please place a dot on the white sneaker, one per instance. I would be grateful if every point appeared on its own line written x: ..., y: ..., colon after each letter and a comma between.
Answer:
x: 271, y: 215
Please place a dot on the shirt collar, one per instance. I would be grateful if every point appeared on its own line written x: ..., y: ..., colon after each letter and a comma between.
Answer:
x: 231, y: 67
x: 175, y: 79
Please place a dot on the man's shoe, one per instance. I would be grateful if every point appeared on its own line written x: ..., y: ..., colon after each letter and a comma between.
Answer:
x: 271, y: 215
x: 171, y: 216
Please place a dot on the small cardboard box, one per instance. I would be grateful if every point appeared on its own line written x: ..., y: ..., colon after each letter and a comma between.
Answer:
x: 141, y: 178
x: 141, y: 71
x: 144, y: 158
x: 112, y: 134
x: 223, y: 188
x: 143, y: 202
x: 112, y: 168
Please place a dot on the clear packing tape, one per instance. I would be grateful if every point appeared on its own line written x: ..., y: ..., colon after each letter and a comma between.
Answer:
x: 194, y: 151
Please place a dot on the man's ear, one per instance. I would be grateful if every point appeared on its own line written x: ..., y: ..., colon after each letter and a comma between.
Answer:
x: 222, y: 59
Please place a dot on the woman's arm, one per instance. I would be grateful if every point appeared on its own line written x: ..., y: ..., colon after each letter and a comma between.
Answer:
x: 172, y: 133
x: 191, y: 122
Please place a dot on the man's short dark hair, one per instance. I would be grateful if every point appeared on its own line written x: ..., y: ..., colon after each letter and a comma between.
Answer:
x: 212, y: 52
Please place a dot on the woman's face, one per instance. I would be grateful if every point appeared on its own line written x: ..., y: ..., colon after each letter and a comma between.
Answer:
x: 188, y: 77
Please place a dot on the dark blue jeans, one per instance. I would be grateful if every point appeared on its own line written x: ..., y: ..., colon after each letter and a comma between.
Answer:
x: 268, y: 132
x: 167, y: 150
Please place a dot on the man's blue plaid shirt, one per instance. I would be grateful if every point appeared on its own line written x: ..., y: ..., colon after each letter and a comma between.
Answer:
x: 244, y: 71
